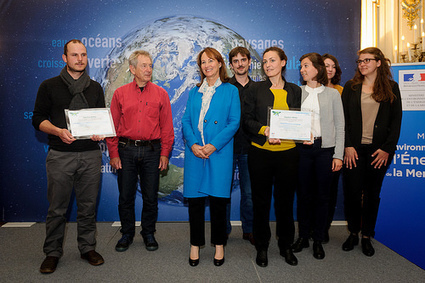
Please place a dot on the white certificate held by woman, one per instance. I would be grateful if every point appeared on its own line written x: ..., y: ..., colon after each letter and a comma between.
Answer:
x: 290, y: 125
x: 84, y: 123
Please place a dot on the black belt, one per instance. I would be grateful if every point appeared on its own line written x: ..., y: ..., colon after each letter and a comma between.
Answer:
x: 317, y: 138
x: 139, y: 142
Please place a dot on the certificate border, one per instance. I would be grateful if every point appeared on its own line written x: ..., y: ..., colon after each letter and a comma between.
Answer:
x: 291, y: 109
x: 111, y: 121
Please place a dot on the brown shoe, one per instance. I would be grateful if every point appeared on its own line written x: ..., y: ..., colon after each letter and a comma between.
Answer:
x: 93, y: 257
x: 49, y: 264
x: 249, y: 237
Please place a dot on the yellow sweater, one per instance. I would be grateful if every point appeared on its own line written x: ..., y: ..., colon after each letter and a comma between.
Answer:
x: 279, y: 103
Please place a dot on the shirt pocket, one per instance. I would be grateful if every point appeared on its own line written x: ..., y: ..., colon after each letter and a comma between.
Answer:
x: 152, y: 109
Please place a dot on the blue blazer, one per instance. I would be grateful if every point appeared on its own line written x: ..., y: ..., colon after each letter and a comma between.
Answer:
x: 212, y: 176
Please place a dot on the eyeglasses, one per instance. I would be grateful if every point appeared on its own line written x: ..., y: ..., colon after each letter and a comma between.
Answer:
x: 366, y: 61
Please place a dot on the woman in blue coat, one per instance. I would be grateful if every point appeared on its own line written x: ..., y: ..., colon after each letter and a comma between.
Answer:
x: 210, y: 121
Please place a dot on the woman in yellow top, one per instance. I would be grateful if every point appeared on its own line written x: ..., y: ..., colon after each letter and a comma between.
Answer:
x: 272, y: 163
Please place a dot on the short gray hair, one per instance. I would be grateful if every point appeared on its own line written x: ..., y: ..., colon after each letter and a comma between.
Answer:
x: 134, y: 57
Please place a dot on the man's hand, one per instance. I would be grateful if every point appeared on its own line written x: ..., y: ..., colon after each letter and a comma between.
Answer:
x: 115, y: 163
x: 163, y: 163
x: 47, y: 127
x: 97, y: 138
x: 66, y: 136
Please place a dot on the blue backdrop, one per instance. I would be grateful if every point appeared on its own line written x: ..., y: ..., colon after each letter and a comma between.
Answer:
x: 33, y: 34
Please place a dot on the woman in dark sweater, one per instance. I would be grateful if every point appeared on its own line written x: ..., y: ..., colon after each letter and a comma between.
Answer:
x: 272, y: 163
x: 372, y: 108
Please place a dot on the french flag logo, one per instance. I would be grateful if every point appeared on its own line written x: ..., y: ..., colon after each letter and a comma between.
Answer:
x: 422, y: 79
x: 408, y: 77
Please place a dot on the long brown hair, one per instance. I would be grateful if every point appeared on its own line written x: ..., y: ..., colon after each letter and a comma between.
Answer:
x: 382, y: 89
x: 213, y: 53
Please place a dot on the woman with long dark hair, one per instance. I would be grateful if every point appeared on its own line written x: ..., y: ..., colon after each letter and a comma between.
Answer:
x: 372, y: 108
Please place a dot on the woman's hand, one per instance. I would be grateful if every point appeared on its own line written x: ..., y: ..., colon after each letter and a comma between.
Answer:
x: 208, y: 149
x: 311, y: 141
x: 336, y: 164
x: 381, y: 158
x: 350, y: 157
x: 272, y: 140
x: 198, y: 151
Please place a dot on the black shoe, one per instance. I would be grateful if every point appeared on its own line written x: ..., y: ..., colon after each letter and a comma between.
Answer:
x: 194, y: 262
x: 289, y: 256
x: 93, y: 257
x: 318, y: 251
x: 261, y: 259
x: 219, y: 262
x: 49, y: 264
x: 150, y: 242
x: 367, y: 248
x: 123, y: 243
x: 352, y: 240
x: 249, y: 237
x: 299, y: 245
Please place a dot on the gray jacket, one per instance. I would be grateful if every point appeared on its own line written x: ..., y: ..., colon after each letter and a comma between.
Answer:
x: 331, y: 119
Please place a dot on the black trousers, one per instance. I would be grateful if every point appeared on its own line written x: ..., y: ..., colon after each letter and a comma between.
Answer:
x: 273, y: 173
x: 362, y: 188
x: 217, y: 216
x: 333, y: 196
x: 315, y: 177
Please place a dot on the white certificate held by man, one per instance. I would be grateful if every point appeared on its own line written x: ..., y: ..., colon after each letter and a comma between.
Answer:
x: 290, y: 125
x: 84, y: 123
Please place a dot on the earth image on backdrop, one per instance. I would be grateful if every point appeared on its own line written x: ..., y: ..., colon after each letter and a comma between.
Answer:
x: 174, y: 44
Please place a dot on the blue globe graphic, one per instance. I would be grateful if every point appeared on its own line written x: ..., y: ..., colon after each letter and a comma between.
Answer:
x: 174, y: 44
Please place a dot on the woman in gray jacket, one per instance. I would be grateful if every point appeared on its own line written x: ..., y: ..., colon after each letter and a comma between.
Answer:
x: 320, y: 157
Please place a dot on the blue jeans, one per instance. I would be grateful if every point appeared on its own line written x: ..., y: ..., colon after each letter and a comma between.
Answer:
x: 246, y: 213
x: 138, y: 162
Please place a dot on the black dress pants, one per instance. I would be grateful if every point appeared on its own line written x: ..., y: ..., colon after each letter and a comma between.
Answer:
x: 315, y: 176
x: 217, y: 216
x: 273, y: 172
x: 362, y: 188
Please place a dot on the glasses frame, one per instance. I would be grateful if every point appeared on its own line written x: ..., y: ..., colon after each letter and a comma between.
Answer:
x: 366, y: 61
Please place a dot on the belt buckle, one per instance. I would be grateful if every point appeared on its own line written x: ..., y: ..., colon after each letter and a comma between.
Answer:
x: 138, y: 143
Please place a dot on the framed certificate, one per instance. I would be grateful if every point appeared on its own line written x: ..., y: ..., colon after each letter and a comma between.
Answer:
x: 290, y: 125
x: 86, y: 122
